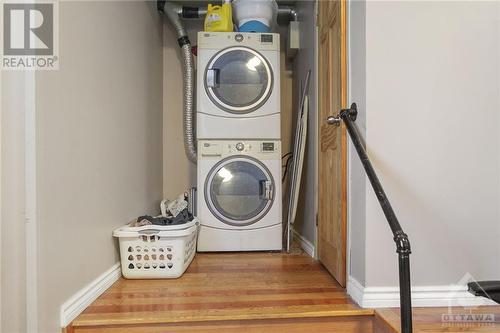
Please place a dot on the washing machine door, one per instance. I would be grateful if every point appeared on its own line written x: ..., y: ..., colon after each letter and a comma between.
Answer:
x: 238, y: 80
x: 239, y: 191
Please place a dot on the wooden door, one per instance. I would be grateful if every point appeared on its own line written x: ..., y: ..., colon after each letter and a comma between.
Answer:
x: 332, y: 210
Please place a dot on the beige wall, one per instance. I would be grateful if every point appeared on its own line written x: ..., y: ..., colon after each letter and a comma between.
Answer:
x: 305, y: 222
x: 356, y: 173
x: 12, y: 230
x: 432, y: 123
x: 288, y: 108
x: 99, y: 122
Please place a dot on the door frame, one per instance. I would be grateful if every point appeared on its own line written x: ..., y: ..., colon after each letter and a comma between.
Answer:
x: 344, y: 142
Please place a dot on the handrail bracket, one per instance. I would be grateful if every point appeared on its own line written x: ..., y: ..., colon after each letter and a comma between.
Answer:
x: 351, y: 113
x: 402, y: 243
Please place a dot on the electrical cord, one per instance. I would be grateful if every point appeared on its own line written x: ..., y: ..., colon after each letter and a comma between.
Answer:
x: 286, y: 166
x: 282, y: 157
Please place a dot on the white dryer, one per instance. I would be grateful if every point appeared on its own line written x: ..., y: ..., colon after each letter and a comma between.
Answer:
x: 238, y: 86
x: 239, y: 195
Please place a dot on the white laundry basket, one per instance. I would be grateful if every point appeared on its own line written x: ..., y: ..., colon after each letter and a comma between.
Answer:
x: 155, y: 252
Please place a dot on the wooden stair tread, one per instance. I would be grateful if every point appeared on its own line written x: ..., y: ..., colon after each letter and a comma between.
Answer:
x: 429, y: 320
x: 232, y: 315
x: 226, y: 287
x: 362, y: 324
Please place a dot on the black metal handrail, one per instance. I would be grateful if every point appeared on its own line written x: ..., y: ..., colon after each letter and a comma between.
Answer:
x: 400, y: 238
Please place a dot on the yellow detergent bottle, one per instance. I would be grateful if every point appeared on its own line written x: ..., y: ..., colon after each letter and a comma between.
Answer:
x: 219, y: 18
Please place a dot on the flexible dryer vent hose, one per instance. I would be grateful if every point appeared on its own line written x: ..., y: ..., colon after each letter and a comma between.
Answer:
x: 189, y: 135
x: 172, y: 11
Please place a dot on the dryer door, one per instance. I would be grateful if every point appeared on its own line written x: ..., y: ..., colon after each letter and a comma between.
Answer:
x: 239, y: 191
x: 238, y: 80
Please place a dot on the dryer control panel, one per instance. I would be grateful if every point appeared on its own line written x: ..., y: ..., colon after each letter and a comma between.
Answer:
x: 222, y: 148
x: 221, y: 40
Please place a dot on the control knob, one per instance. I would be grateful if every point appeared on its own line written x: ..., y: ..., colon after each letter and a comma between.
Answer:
x: 240, y: 146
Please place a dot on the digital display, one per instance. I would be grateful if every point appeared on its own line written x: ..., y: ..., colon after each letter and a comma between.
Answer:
x: 266, y: 38
x: 268, y: 146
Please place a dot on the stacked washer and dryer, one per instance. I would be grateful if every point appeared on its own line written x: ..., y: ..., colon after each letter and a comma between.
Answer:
x: 239, y: 146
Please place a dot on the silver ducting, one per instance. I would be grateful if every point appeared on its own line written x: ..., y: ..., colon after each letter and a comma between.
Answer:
x: 173, y: 11
x: 189, y: 135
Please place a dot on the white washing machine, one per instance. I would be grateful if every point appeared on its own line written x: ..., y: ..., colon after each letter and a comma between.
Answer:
x: 238, y: 86
x: 239, y: 195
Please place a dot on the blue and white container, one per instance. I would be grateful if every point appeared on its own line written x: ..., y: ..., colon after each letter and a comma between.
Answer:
x: 255, y: 15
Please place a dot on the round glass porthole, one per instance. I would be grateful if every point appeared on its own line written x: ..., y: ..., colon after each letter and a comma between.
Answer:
x: 238, y: 80
x: 239, y: 191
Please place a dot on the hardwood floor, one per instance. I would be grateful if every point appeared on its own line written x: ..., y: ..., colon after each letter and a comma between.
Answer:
x: 223, y: 287
x: 358, y: 324
x: 251, y: 293
x: 427, y: 320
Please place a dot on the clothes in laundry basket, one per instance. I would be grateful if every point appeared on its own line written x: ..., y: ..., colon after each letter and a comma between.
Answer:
x: 174, y: 207
x: 173, y: 212
x: 183, y: 217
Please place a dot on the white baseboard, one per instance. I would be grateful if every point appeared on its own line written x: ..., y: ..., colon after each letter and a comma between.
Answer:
x: 422, y: 296
x: 83, y: 298
x: 306, y: 245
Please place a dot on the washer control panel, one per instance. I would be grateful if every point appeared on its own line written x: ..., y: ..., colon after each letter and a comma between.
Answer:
x: 248, y: 147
